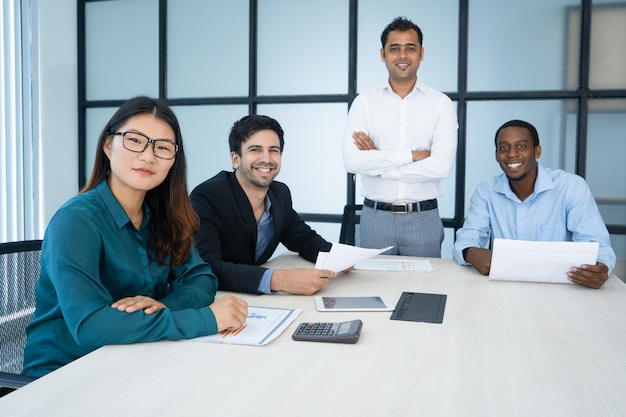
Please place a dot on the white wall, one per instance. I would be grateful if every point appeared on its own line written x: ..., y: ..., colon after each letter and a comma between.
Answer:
x: 55, y: 89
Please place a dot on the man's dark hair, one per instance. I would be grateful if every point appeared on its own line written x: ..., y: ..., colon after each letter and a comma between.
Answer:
x: 520, y: 123
x: 249, y: 125
x: 401, y: 24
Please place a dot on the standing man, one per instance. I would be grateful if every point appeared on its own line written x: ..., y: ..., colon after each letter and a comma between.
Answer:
x: 245, y: 214
x: 530, y: 202
x: 402, y: 139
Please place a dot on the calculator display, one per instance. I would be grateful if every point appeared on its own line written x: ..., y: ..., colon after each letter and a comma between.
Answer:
x: 344, y: 328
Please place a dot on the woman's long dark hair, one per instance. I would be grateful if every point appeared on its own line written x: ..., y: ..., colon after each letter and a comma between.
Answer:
x: 174, y: 223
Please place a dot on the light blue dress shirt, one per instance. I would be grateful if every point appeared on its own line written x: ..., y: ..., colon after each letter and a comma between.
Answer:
x: 561, y: 208
x: 265, y: 234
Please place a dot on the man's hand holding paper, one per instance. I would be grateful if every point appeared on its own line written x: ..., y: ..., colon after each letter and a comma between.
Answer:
x: 520, y: 260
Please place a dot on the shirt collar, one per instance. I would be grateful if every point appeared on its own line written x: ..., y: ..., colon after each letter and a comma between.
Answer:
x: 542, y: 183
x: 115, y: 208
x: 544, y: 180
x: 417, y: 87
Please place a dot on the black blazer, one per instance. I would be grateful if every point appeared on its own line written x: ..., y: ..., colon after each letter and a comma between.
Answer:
x: 228, y: 231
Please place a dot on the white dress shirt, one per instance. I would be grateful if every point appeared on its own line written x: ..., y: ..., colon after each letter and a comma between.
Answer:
x: 423, y: 120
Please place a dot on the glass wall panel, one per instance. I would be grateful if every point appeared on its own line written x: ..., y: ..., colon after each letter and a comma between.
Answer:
x: 95, y: 121
x: 303, y: 47
x: 513, y: 46
x: 438, y: 21
x: 618, y: 243
x: 608, y: 43
x: 122, y: 49
x: 205, y: 132
x: 329, y: 231
x: 448, y: 242
x: 519, y: 45
x: 312, y: 164
x: 205, y: 56
x: 606, y: 148
x: 483, y: 119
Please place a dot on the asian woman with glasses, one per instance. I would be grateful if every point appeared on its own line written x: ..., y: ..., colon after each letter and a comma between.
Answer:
x: 118, y: 262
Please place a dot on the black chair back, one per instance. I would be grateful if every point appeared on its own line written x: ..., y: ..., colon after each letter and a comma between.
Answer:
x: 19, y: 273
x: 349, y: 233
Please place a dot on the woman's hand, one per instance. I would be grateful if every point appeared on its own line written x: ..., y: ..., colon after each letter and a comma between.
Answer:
x: 230, y: 312
x: 138, y: 302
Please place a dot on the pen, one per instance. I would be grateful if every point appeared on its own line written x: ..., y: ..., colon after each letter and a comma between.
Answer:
x: 239, y: 330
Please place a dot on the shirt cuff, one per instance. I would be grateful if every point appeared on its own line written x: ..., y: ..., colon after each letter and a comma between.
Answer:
x: 266, y: 279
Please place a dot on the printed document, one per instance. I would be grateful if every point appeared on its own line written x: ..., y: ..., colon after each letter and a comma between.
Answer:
x: 521, y: 260
x: 262, y: 325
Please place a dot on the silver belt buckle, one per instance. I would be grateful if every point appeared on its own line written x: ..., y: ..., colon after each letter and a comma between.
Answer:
x: 401, y: 208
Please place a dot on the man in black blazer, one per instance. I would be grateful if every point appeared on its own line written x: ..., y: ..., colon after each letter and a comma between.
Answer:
x: 245, y: 214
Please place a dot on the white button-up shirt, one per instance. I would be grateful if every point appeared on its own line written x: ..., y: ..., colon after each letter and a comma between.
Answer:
x: 423, y: 120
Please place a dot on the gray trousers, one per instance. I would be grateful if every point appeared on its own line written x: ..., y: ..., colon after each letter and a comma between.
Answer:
x: 412, y: 234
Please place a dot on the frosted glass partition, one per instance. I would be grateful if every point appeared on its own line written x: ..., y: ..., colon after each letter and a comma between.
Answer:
x: 303, y: 47
x: 608, y: 43
x: 122, y: 49
x: 606, y: 171
x: 329, y: 231
x: 205, y: 134
x: 518, y: 45
x: 95, y: 121
x: 618, y: 243
x: 312, y: 164
x: 438, y: 21
x: 555, y: 135
x: 446, y: 201
x: 448, y: 242
x: 207, y: 51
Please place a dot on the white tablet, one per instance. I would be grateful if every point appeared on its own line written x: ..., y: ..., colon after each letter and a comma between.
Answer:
x: 354, y: 303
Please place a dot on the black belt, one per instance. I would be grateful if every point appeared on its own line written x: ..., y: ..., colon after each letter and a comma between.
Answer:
x: 402, y: 208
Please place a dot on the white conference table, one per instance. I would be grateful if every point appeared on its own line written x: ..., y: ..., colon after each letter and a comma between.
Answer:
x: 503, y: 349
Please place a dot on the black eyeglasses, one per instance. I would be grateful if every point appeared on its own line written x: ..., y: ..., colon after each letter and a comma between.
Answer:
x: 137, y: 142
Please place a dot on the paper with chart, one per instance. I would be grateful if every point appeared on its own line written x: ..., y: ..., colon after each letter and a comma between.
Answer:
x: 521, y: 260
x: 263, y: 325
x: 342, y: 257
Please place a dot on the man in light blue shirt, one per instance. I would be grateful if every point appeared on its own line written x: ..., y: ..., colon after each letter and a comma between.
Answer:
x: 530, y: 202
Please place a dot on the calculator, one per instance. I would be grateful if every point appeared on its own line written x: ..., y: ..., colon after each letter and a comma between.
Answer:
x: 345, y: 332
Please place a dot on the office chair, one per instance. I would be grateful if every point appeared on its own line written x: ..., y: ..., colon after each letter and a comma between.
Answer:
x: 19, y: 273
x: 349, y: 233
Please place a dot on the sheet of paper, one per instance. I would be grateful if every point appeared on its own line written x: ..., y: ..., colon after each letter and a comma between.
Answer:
x: 399, y: 265
x: 521, y: 260
x: 263, y: 325
x: 342, y: 257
